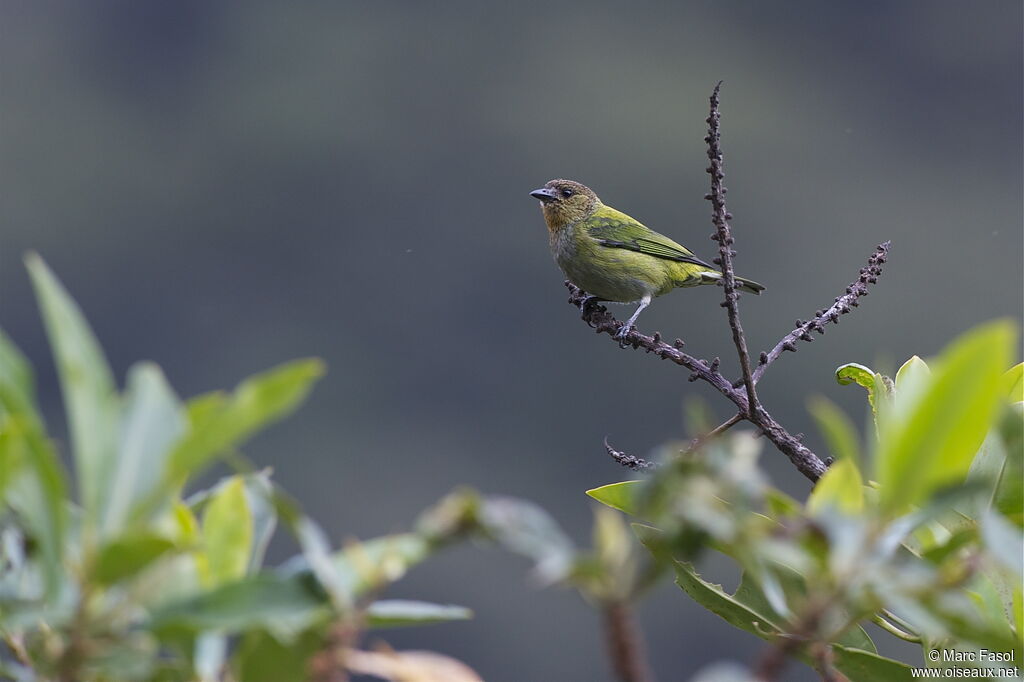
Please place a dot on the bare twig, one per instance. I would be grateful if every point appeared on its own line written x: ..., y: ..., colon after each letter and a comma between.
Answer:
x: 720, y: 217
x: 604, y: 323
x: 598, y: 317
x: 746, y: 401
x: 640, y: 464
x: 627, y: 460
x: 842, y: 305
x: 624, y: 643
x: 700, y: 441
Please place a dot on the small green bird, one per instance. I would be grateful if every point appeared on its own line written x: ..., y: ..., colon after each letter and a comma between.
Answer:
x: 614, y: 257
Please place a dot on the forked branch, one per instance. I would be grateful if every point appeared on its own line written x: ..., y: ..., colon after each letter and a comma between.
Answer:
x: 741, y: 392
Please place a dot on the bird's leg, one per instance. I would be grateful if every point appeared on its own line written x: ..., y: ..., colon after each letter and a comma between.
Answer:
x: 644, y: 302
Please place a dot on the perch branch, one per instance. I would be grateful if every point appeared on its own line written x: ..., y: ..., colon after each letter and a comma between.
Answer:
x: 745, y: 400
x: 598, y: 317
x: 842, y: 305
x: 723, y: 235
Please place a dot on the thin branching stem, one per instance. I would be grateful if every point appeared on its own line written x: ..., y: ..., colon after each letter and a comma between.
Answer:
x: 746, y: 401
x: 723, y: 235
x: 842, y: 305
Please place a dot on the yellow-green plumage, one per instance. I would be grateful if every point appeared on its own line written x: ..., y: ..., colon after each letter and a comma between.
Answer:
x: 614, y: 257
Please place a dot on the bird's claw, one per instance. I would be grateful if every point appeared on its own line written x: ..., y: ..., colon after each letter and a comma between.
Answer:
x: 588, y: 304
x: 621, y: 335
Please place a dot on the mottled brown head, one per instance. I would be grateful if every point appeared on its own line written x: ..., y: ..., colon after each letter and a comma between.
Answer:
x: 565, y: 202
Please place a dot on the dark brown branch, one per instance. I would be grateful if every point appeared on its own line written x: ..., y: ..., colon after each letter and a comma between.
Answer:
x: 639, y: 464
x: 746, y: 402
x: 700, y: 441
x: 603, y: 322
x: 842, y: 305
x: 720, y: 217
x: 625, y: 646
x: 627, y: 460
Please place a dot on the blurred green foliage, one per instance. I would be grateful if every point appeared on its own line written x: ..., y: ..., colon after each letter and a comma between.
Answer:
x: 115, y: 574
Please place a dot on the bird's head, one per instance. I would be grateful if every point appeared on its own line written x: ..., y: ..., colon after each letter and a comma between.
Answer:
x: 565, y: 202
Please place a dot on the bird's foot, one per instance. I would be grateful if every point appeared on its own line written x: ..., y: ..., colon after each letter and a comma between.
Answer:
x: 621, y: 335
x: 587, y: 306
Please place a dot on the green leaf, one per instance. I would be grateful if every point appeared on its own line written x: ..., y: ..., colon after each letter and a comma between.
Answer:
x: 366, y: 566
x: 855, y: 663
x: 874, y: 383
x: 621, y: 496
x: 259, y: 493
x: 283, y: 606
x: 852, y: 373
x: 87, y: 383
x: 17, y: 385
x: 930, y: 437
x: 840, y: 487
x: 713, y: 598
x: 218, y: 424
x: 858, y: 664
x: 1008, y: 498
x: 1012, y: 383
x: 390, y: 613
x: 152, y: 420
x: 262, y: 658
x: 837, y: 429
x: 524, y: 528
x: 227, y: 533
x: 128, y: 555
x: 914, y: 371
x: 752, y: 596
x: 1003, y: 540
x: 37, y: 490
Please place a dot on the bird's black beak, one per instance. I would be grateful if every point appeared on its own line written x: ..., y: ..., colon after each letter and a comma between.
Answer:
x: 545, y: 194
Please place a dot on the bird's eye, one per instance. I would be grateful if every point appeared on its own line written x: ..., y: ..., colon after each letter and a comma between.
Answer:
x: 566, y: 193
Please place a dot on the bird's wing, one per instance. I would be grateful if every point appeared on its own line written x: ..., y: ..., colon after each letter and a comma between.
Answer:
x: 617, y: 230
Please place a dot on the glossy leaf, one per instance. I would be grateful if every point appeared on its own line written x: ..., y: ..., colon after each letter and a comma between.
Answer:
x: 152, y: 420
x: 858, y: 664
x: 227, y: 534
x: 1004, y: 541
x: 621, y: 496
x: 370, y: 565
x: 217, y: 423
x: 855, y: 663
x: 932, y: 434
x: 715, y: 599
x: 913, y: 371
x: 37, y: 490
x: 1012, y: 383
x: 390, y: 613
x: 87, y: 383
x: 263, y: 658
x: 128, y: 555
x: 526, y: 529
x: 17, y: 384
x: 284, y: 606
x: 840, y: 487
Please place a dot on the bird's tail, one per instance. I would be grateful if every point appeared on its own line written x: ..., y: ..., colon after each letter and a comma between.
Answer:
x: 742, y: 283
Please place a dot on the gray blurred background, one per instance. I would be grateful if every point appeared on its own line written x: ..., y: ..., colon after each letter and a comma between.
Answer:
x: 224, y: 186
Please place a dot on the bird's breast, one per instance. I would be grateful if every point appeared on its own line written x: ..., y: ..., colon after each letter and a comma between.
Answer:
x: 607, y: 273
